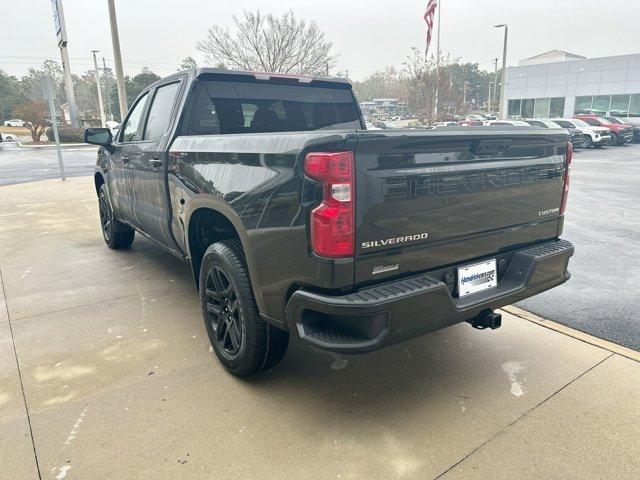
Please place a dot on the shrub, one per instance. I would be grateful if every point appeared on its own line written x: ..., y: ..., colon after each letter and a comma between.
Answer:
x: 66, y: 134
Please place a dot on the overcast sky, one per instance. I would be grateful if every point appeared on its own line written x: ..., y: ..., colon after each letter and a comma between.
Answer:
x: 367, y: 35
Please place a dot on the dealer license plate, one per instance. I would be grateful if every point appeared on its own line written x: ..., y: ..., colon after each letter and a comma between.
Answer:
x: 477, y: 277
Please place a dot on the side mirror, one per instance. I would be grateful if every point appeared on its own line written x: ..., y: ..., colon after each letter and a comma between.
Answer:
x: 98, y: 136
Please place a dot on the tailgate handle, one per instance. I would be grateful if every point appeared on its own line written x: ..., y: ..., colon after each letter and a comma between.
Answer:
x: 491, y: 146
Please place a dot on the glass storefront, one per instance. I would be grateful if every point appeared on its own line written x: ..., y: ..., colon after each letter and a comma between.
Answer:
x: 536, y: 107
x: 622, y: 105
x: 583, y: 105
x: 619, y: 105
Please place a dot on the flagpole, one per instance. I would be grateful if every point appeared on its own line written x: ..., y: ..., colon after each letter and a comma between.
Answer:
x: 438, y: 60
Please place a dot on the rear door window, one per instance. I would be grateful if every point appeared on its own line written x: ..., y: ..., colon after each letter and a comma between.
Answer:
x: 249, y: 107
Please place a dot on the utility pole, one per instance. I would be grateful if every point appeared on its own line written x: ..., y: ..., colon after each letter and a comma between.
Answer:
x: 495, y: 79
x: 504, y: 69
x: 100, y: 104
x: 489, y: 101
x: 106, y: 88
x: 464, y: 97
x: 117, y: 60
x: 61, y: 34
x: 437, y: 61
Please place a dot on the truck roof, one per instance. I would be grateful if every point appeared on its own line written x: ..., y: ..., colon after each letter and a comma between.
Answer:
x: 202, y: 71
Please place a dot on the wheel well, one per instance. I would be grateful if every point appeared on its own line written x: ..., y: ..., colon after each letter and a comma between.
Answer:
x: 99, y: 181
x: 207, y: 226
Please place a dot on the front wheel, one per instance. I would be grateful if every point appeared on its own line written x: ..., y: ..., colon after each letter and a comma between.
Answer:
x: 242, y: 341
x: 587, y: 142
x: 615, y: 139
x: 116, y: 235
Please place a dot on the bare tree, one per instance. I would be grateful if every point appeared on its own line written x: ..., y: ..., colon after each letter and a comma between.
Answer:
x: 422, y: 83
x: 271, y: 44
x: 35, y: 113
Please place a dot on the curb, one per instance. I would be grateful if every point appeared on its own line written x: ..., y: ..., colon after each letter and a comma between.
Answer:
x: 578, y: 335
x: 52, y: 145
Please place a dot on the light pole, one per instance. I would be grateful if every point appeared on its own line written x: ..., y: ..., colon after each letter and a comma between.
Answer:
x: 504, y: 68
x: 489, y: 99
x: 464, y: 94
x: 117, y: 59
x: 100, y: 104
x: 495, y: 79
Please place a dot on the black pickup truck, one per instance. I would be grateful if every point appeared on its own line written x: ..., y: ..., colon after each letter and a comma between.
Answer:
x: 296, y: 221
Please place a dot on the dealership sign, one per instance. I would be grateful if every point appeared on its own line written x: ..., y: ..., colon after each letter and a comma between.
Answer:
x: 58, y: 22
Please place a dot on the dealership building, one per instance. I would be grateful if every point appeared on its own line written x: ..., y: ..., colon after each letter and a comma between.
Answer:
x: 562, y: 84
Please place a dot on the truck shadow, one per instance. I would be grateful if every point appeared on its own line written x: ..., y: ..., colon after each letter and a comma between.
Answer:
x: 456, y: 366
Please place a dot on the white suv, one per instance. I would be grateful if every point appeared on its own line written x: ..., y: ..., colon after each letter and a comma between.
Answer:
x: 594, y: 136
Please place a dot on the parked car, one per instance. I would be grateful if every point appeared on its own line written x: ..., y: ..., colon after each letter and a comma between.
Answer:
x: 250, y: 178
x: 8, y: 137
x: 578, y: 139
x: 14, y: 123
x: 620, y: 133
x: 513, y: 123
x: 636, y: 128
x: 446, y: 124
x: 595, y: 137
x: 469, y: 122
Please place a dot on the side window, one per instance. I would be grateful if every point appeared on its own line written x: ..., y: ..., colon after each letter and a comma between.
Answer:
x: 204, y: 119
x: 160, y: 111
x: 130, y: 129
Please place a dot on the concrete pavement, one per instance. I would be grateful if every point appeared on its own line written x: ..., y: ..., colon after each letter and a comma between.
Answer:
x: 603, y: 222
x: 120, y: 382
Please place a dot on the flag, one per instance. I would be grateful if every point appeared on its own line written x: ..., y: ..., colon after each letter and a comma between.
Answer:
x: 428, y: 18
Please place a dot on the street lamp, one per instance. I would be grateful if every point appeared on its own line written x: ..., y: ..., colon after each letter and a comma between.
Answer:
x: 504, y: 68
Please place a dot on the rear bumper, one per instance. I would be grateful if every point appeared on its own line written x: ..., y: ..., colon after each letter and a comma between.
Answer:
x: 381, y: 315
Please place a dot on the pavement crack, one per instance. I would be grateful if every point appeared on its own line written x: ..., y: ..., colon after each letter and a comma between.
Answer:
x: 24, y: 397
x: 490, y: 439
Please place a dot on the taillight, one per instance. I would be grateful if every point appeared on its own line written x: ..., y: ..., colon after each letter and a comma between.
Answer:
x: 332, y: 229
x: 565, y: 179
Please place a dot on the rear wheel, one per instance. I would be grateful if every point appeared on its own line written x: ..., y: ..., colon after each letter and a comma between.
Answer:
x: 242, y: 341
x: 116, y: 234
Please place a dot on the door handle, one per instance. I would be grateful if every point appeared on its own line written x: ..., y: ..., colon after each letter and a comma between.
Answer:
x: 125, y: 159
x: 155, y: 162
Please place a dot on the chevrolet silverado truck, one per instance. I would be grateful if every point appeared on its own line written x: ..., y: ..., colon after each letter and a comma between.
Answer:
x: 297, y: 222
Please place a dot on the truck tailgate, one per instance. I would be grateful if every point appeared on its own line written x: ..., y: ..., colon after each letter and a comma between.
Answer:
x: 434, y: 198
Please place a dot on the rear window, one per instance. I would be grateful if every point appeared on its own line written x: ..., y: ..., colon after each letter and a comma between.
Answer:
x: 246, y: 107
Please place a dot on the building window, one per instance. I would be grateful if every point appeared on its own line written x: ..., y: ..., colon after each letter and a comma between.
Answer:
x: 541, y: 109
x: 514, y: 108
x: 556, y: 107
x: 527, y: 108
x: 600, y: 105
x: 619, y: 105
x: 583, y: 105
x: 634, y: 105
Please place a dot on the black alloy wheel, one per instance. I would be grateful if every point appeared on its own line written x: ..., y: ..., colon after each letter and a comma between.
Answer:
x: 105, y: 216
x: 223, y: 312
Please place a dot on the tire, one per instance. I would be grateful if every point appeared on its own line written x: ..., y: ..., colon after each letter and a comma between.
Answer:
x: 615, y: 139
x: 116, y: 235
x: 243, y: 342
x: 587, y: 142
